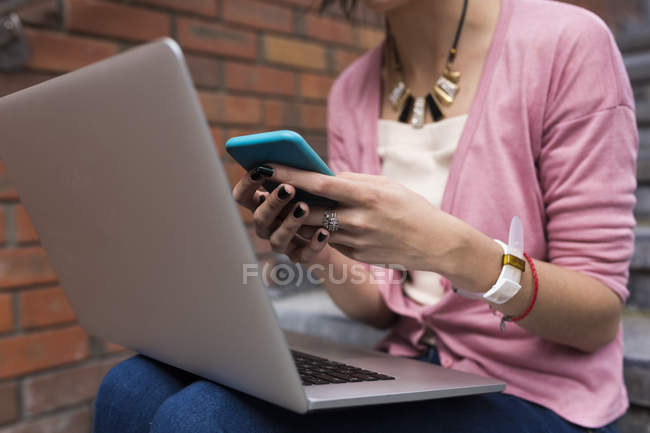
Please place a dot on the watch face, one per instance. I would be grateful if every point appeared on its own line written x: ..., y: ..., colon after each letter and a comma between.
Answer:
x: 14, y: 49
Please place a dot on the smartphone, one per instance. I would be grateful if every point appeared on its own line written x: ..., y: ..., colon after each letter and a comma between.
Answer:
x: 281, y: 147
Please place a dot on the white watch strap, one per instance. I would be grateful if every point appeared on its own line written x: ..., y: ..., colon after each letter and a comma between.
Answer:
x: 507, y: 284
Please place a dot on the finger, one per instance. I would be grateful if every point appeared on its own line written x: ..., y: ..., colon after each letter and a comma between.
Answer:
x: 343, y: 238
x: 349, y: 219
x: 287, y: 230
x: 260, y: 197
x: 315, y: 217
x: 266, y: 213
x: 244, y: 190
x: 332, y: 187
x: 345, y: 250
x: 306, y: 232
x: 308, y: 252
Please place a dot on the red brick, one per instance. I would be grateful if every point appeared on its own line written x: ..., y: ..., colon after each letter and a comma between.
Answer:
x: 216, y: 39
x: 236, y: 132
x: 231, y: 109
x: 343, y: 58
x: 246, y: 215
x: 280, y: 114
x: 9, y: 402
x: 202, y: 7
x: 61, y: 52
x: 115, y: 20
x: 65, y: 387
x: 262, y: 79
x: 24, y: 229
x: 24, y: 266
x: 13, y: 82
x: 318, y: 142
x: 204, y: 70
x: 359, y: 14
x: 44, y: 307
x: 73, y: 421
x: 44, y: 13
x: 234, y: 171
x: 315, y: 86
x: 258, y: 14
x: 2, y: 225
x: 306, y: 4
x: 7, y: 192
x: 6, y: 313
x: 369, y: 37
x: 219, y: 141
x: 331, y: 30
x: 23, y: 354
x: 294, y: 52
x: 313, y: 116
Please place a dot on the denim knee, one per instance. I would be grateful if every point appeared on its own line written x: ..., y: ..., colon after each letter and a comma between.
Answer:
x: 204, y: 407
x: 131, y: 393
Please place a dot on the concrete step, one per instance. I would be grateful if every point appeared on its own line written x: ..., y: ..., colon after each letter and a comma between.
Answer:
x: 639, y: 287
x: 642, y: 209
x: 313, y: 312
x: 639, y: 283
x: 644, y: 137
x: 634, y: 41
x: 643, y: 113
x: 643, y: 163
x: 641, y: 258
x: 636, y: 420
x: 636, y: 332
x: 638, y: 67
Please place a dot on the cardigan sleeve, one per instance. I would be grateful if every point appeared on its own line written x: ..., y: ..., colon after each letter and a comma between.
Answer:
x: 587, y: 160
x: 338, y: 155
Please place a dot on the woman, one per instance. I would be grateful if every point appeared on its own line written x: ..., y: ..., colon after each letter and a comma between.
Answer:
x: 461, y: 120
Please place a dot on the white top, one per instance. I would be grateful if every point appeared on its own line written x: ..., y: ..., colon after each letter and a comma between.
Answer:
x: 420, y: 160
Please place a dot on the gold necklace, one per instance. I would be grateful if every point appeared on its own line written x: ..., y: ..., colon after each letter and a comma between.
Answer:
x: 413, y: 109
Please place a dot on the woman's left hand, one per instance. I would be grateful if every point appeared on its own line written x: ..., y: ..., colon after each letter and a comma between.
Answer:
x: 382, y: 222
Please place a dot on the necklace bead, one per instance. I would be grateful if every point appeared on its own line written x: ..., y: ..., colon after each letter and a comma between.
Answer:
x: 413, y: 109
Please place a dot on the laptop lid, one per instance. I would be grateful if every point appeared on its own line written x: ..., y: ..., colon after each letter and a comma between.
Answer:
x: 118, y: 172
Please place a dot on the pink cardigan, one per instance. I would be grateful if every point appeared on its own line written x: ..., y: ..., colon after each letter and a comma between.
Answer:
x: 551, y: 137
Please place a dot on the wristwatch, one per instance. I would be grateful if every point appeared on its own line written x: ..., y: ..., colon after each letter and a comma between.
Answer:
x: 508, y: 283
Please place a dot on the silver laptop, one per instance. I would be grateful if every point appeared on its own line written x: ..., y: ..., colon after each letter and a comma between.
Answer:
x: 119, y: 174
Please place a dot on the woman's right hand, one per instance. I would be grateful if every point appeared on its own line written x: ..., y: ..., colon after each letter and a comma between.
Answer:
x: 277, y: 220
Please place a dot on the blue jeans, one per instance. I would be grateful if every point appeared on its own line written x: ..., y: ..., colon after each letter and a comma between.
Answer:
x: 141, y: 395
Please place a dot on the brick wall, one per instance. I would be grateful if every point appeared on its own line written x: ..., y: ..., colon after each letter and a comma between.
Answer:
x: 257, y: 65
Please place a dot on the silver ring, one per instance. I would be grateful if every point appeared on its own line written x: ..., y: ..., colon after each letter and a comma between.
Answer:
x: 330, y: 221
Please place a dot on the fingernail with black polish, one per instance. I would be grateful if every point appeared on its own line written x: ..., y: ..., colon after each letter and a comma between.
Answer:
x: 262, y: 198
x: 283, y: 193
x: 298, y: 212
x: 321, y: 236
x: 256, y: 175
x: 265, y: 171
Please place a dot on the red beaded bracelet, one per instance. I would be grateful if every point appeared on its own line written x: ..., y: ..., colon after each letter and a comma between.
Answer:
x: 505, y: 319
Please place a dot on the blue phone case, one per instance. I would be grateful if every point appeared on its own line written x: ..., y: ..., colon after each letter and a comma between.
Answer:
x: 281, y: 147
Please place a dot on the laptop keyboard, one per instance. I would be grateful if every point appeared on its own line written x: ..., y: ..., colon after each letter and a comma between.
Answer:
x: 314, y: 370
